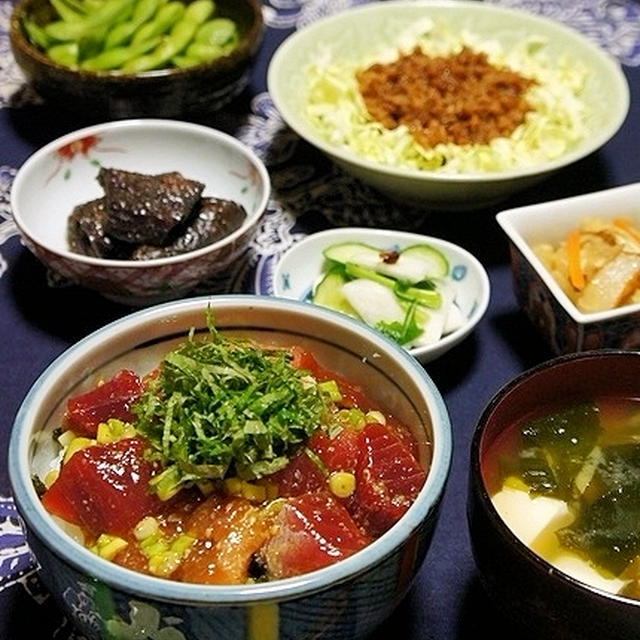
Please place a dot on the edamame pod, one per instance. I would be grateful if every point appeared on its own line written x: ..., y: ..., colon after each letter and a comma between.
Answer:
x: 112, y: 59
x: 91, y: 42
x: 181, y: 34
x: 203, y: 52
x: 184, y: 61
x: 110, y: 13
x: 122, y: 33
x: 63, y: 31
x: 65, y: 53
x: 37, y: 35
x: 166, y: 17
x: 66, y: 12
x: 199, y: 11
x: 79, y: 6
x: 218, y: 31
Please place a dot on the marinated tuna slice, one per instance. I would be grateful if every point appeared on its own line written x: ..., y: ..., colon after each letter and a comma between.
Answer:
x: 86, y: 232
x: 215, y: 219
x: 145, y: 209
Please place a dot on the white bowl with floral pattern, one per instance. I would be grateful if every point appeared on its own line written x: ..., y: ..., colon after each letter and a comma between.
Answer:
x: 63, y: 173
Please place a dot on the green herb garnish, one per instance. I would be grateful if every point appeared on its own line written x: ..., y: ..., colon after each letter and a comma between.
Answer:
x: 223, y: 406
x: 402, y: 332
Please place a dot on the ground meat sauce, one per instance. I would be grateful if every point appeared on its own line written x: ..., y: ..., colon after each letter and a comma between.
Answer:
x: 460, y: 99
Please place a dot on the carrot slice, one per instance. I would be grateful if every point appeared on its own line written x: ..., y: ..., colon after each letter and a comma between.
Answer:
x: 576, y: 275
x: 626, y: 225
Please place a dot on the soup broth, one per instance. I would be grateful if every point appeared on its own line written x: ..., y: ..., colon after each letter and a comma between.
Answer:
x: 567, y: 482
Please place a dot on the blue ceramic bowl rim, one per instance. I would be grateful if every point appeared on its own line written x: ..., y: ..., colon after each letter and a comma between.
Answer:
x: 479, y: 488
x: 39, y: 522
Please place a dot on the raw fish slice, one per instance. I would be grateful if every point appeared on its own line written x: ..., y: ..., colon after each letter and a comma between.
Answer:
x: 216, y: 219
x: 145, y: 209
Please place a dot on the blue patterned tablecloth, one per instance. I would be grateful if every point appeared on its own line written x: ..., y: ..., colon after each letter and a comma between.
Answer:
x: 41, y: 316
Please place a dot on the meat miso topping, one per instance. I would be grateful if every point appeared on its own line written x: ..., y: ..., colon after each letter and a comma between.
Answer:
x: 460, y: 99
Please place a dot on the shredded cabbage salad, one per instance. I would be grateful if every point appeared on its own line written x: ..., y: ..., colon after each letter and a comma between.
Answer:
x: 556, y: 124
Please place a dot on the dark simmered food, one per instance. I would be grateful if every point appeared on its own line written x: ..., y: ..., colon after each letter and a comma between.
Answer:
x: 215, y: 219
x: 87, y: 234
x: 143, y: 217
x: 145, y: 209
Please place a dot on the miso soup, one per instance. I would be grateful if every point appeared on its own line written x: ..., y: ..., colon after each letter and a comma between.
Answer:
x: 567, y: 482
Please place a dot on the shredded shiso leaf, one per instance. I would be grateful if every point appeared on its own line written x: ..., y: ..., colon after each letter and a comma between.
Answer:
x: 557, y: 123
x: 223, y: 405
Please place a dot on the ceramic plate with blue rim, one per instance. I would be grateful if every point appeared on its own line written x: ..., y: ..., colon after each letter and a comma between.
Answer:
x: 450, y: 302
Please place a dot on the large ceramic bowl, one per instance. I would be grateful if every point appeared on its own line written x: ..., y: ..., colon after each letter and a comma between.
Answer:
x: 168, y: 92
x: 301, y: 267
x: 63, y: 174
x: 565, y: 327
x: 562, y: 596
x: 340, y: 602
x: 374, y: 32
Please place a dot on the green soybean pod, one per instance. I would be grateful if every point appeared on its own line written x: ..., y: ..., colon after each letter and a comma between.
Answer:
x: 122, y: 33
x: 36, y: 34
x: 91, y: 5
x: 218, y: 31
x: 79, y: 6
x: 203, y: 52
x: 63, y: 31
x: 199, y: 11
x: 112, y: 59
x: 111, y: 12
x: 166, y: 17
x: 184, y: 61
x: 65, y: 54
x: 66, y: 12
x: 173, y: 44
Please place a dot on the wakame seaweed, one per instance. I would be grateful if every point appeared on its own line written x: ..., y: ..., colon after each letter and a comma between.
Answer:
x: 555, y: 448
x: 606, y: 526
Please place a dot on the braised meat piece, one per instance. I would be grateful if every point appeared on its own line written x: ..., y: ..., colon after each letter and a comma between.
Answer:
x: 146, y: 209
x: 86, y: 232
x: 215, y: 219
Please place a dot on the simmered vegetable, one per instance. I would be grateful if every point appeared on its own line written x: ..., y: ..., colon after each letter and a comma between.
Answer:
x: 144, y: 217
x: 598, y: 263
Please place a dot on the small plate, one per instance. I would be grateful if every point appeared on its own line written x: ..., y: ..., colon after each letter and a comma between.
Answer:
x: 299, y: 268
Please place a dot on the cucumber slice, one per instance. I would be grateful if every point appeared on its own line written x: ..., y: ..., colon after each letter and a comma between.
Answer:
x: 357, y: 252
x: 328, y: 292
x: 414, y: 264
x: 435, y: 261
